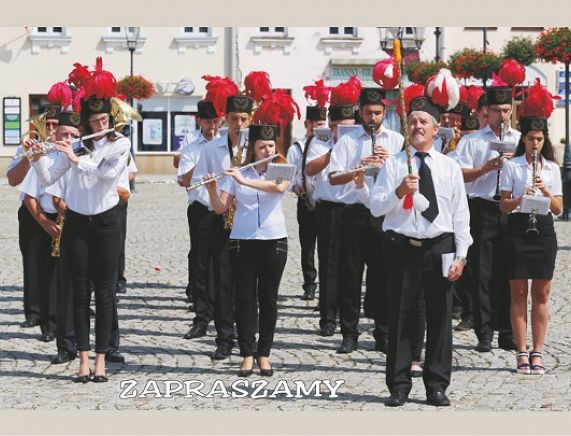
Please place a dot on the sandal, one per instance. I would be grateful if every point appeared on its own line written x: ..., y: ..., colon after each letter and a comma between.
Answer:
x: 522, y: 368
x: 536, y: 369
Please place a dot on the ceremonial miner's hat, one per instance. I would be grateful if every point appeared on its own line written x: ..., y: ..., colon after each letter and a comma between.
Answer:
x: 315, y: 113
x: 470, y: 123
x: 71, y: 119
x: 52, y: 111
x: 536, y: 108
x: 344, y: 98
x: 499, y: 95
x: 372, y: 96
x: 424, y: 104
x: 206, y: 110
x: 264, y: 132
x: 239, y: 103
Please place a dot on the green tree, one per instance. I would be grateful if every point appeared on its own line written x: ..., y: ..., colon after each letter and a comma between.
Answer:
x: 521, y: 49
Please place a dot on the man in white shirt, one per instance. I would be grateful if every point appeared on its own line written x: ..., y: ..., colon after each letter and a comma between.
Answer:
x: 302, y: 186
x: 418, y: 237
x: 361, y: 235
x: 209, y: 123
x: 210, y: 240
x: 481, y: 167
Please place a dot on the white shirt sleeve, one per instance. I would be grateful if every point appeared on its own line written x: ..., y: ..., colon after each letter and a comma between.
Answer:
x: 339, y: 156
x: 383, y: 197
x: 506, y: 177
x: 460, y: 214
x: 49, y: 172
x: 111, y: 164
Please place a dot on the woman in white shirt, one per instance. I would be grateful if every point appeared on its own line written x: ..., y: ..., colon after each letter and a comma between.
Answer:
x: 531, y: 256
x: 258, y: 245
x: 91, y: 238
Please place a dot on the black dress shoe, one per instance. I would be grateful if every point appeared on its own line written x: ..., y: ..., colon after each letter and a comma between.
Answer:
x: 397, y: 399
x: 48, y: 337
x: 114, y: 356
x: 506, y: 343
x: 121, y: 288
x: 29, y: 323
x: 62, y: 357
x: 246, y: 372
x: 222, y: 352
x: 381, y: 345
x: 348, y: 345
x: 197, y: 331
x: 83, y: 378
x: 484, y: 345
x: 99, y: 379
x: 464, y: 325
x: 327, y: 330
x: 309, y: 294
x: 438, y: 399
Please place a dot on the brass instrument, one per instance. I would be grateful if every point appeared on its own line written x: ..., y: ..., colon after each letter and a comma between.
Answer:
x: 57, y: 241
x: 452, y: 144
x: 497, y: 194
x: 531, y: 230
x: 236, y: 161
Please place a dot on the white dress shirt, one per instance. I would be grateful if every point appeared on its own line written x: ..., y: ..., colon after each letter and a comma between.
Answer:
x: 353, y: 147
x: 13, y: 163
x: 516, y: 177
x: 190, y: 153
x: 476, y: 152
x: 214, y: 158
x: 295, y: 157
x: 258, y: 214
x: 32, y: 187
x: 131, y: 167
x: 453, y: 216
x: 322, y: 189
x: 92, y: 184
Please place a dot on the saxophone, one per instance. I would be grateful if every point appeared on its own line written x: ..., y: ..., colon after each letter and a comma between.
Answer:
x: 236, y: 161
x: 57, y: 241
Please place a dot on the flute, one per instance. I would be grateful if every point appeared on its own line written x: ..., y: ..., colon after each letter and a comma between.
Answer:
x: 372, y: 129
x: 242, y: 168
x: 50, y: 146
x: 354, y: 170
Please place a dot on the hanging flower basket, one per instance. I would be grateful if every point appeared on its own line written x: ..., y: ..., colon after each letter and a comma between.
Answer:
x: 474, y: 63
x: 419, y: 72
x: 554, y: 45
x: 136, y: 87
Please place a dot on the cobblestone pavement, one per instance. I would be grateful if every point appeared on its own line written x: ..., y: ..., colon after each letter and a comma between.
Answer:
x: 154, y: 317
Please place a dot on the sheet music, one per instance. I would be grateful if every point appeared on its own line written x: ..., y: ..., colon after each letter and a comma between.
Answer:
x: 502, y: 146
x: 535, y: 203
x: 324, y: 134
x: 284, y: 172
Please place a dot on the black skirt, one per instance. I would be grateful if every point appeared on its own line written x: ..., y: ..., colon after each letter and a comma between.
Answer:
x: 529, y: 256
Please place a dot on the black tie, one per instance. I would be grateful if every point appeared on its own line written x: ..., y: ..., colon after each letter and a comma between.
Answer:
x: 426, y: 188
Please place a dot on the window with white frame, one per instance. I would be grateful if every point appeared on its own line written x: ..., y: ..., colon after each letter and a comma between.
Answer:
x: 272, y: 31
x: 196, y: 31
x: 49, y: 37
x: 49, y: 31
x: 122, y: 32
x: 343, y: 31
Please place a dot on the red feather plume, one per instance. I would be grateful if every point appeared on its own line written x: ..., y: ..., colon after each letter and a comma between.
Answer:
x: 102, y: 83
x: 278, y: 109
x: 409, y: 94
x: 386, y: 73
x: 60, y: 94
x: 346, y: 92
x: 78, y: 96
x: 511, y: 72
x: 218, y: 89
x: 258, y: 85
x: 318, y: 92
x: 473, y: 95
x: 538, y: 102
x: 497, y: 81
x: 79, y: 76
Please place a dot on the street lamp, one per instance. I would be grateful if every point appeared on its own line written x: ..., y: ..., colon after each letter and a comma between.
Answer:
x: 437, y: 34
x: 411, y: 37
x: 132, y: 37
x: 566, y: 168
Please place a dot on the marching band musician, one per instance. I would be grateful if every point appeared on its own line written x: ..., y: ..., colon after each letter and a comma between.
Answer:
x: 92, y: 233
x: 27, y: 226
x: 417, y: 242
x: 361, y: 235
x: 210, y: 238
x: 480, y: 166
x: 315, y: 116
x: 531, y: 241
x: 258, y: 246
x: 209, y: 123
x: 328, y: 207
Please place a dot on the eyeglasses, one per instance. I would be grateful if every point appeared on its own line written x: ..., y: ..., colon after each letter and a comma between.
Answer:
x: 100, y: 120
x: 52, y: 123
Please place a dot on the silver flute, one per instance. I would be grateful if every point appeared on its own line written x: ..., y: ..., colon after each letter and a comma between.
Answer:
x: 242, y: 168
x: 51, y: 146
x: 354, y: 170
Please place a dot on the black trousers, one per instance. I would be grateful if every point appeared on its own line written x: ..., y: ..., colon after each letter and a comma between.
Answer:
x: 93, y: 242
x: 491, y: 287
x: 123, y: 219
x: 360, y: 246
x: 189, y: 256
x: 49, y: 281
x: 307, y: 221
x: 257, y: 266
x: 412, y: 271
x: 212, y: 285
x: 27, y: 229
x: 329, y: 239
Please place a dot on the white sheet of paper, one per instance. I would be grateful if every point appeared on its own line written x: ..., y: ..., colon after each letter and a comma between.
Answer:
x: 502, y: 146
x: 323, y: 133
x: 243, y: 138
x: 447, y: 259
x: 535, y: 203
x: 446, y: 133
x: 343, y: 129
x: 285, y: 172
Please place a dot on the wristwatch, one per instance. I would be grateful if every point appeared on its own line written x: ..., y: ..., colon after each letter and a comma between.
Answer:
x: 461, y: 259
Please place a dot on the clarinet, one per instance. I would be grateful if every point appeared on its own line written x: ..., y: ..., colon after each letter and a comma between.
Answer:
x: 497, y: 194
x: 531, y: 230
x: 372, y: 129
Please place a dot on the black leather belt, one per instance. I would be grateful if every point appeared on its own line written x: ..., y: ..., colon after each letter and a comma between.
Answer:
x: 407, y: 241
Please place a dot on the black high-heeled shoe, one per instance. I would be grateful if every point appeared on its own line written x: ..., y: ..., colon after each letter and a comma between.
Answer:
x: 99, y: 379
x: 266, y: 372
x: 84, y: 378
x: 246, y: 372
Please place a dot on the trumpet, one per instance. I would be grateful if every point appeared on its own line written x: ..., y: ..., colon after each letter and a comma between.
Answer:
x: 531, y: 230
x: 497, y: 194
x: 51, y: 147
x: 242, y: 168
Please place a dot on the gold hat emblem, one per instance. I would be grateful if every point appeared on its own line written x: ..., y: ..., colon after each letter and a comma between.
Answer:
x: 347, y: 111
x: 418, y: 104
x: 471, y: 123
x: 74, y: 119
x: 267, y: 132
x: 241, y: 103
x: 501, y: 96
x: 537, y: 124
x: 373, y: 96
x: 95, y: 104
